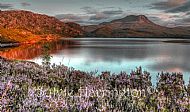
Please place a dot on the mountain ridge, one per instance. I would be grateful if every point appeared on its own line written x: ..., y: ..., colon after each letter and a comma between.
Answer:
x: 20, y: 26
x: 134, y: 26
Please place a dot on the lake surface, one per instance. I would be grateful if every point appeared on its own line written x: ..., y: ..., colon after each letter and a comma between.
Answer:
x: 115, y: 55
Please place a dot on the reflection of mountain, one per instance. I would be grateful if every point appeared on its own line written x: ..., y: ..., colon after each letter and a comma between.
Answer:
x: 134, y: 26
x: 160, y: 56
x: 28, y: 51
x: 157, y: 55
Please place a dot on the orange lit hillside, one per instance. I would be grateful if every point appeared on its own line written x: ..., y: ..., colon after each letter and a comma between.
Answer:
x: 20, y: 36
x: 24, y: 26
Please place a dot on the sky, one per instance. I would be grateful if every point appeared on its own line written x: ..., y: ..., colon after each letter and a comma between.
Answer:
x: 169, y: 13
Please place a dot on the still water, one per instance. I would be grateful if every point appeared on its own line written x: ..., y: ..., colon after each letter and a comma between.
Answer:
x: 115, y: 55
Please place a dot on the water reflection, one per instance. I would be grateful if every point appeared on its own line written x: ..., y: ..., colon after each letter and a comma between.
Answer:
x: 113, y: 55
x: 31, y: 51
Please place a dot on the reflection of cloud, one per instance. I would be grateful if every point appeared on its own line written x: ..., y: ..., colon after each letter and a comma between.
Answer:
x: 5, y: 6
x: 179, y: 58
x: 175, y: 70
x: 161, y: 57
x: 110, y: 50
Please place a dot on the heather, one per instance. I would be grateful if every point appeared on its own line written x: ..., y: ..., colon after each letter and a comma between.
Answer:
x: 26, y: 86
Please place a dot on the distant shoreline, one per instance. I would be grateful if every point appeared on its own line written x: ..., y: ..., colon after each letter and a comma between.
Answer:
x: 139, y: 37
x: 174, y: 40
x: 3, y: 45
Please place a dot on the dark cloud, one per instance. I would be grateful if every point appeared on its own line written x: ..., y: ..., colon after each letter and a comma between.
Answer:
x: 113, y: 12
x: 68, y: 16
x: 81, y: 19
x: 5, y: 6
x: 24, y: 4
x: 87, y: 22
x: 182, y: 8
x: 175, y: 12
x: 102, y: 14
x: 92, y: 15
x: 164, y: 5
x: 105, y: 15
x: 107, y: 10
x: 172, y: 6
x: 172, y: 21
x: 185, y: 19
x: 160, y: 5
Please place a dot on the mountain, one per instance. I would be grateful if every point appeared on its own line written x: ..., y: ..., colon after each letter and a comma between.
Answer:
x: 134, y: 26
x: 18, y: 26
x: 25, y: 26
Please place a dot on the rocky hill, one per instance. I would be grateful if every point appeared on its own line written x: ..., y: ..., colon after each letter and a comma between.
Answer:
x: 25, y: 26
x: 134, y: 26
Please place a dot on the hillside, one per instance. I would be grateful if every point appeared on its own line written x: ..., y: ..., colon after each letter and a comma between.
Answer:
x: 24, y: 26
x: 134, y: 26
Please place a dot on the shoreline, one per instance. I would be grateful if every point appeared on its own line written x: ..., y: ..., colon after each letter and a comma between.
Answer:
x: 14, y: 44
x: 4, y: 45
x: 40, y: 40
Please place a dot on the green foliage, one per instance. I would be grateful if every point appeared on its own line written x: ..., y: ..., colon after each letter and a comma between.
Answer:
x: 46, y: 58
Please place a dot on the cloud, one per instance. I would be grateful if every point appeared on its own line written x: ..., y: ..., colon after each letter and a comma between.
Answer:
x: 113, y: 12
x: 80, y: 19
x: 5, y: 6
x: 89, y: 10
x: 167, y: 19
x: 68, y: 16
x: 99, y: 16
x: 173, y: 6
x: 71, y: 17
x: 185, y: 21
x: 174, y: 12
x: 91, y: 15
x: 24, y: 4
x: 182, y: 8
x: 102, y: 14
x: 163, y: 5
